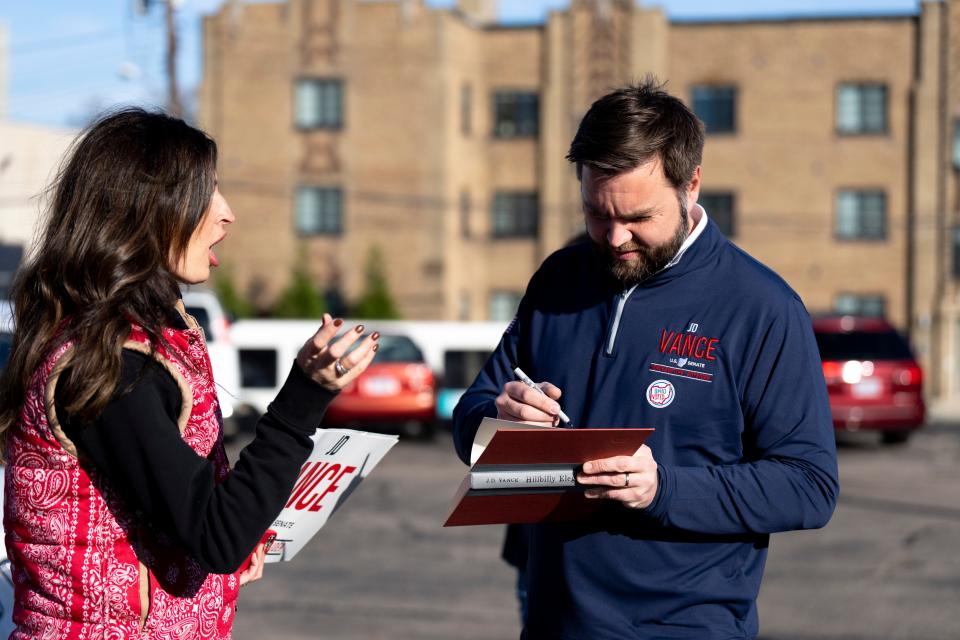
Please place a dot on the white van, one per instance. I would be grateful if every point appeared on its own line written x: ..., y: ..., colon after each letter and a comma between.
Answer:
x: 6, y: 331
x: 6, y: 580
x: 205, y: 307
x: 455, y: 352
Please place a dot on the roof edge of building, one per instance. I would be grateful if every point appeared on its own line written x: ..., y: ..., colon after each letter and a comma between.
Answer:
x: 794, y: 17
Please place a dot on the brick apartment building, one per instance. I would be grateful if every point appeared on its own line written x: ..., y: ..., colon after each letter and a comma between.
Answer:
x: 438, y: 137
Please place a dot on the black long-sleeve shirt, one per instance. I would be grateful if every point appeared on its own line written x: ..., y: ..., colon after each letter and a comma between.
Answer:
x: 137, y: 445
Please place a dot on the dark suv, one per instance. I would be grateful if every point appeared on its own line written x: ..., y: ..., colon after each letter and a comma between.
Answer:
x: 873, y: 379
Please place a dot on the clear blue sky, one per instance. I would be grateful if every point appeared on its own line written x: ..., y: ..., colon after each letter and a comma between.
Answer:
x: 70, y: 58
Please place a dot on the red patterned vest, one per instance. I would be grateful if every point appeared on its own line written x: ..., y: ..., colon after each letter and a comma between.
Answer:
x: 85, y: 565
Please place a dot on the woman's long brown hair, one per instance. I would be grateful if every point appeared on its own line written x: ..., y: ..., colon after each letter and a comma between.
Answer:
x: 128, y: 197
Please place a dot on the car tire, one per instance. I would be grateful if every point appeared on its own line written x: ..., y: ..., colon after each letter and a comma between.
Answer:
x: 894, y: 437
x: 427, y: 431
x: 416, y: 430
x: 231, y: 428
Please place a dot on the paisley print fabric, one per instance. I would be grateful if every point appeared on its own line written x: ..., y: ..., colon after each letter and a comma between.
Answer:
x: 84, y: 564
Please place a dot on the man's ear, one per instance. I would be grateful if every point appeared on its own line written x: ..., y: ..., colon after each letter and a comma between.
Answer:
x: 693, y: 189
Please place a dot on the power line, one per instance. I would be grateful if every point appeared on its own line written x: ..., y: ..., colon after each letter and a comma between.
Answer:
x: 44, y: 45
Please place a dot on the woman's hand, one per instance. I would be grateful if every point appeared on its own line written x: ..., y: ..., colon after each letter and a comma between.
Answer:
x: 254, y: 570
x: 324, y: 361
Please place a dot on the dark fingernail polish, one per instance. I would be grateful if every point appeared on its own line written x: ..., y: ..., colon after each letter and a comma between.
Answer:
x: 375, y: 335
x: 337, y: 322
x: 375, y: 347
x: 359, y: 328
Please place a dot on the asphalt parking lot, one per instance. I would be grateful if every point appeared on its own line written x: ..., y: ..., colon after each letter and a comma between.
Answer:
x: 887, y: 566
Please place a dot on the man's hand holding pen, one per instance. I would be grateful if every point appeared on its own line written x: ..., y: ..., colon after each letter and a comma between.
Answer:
x: 520, y: 403
x: 631, y: 480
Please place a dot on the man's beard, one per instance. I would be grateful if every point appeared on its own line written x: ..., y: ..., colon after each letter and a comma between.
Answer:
x: 650, y: 260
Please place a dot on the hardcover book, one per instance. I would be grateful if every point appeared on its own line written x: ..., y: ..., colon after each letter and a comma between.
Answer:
x: 523, y: 473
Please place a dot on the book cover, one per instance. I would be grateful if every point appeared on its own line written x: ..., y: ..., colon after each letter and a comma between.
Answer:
x: 340, y: 460
x: 527, y: 451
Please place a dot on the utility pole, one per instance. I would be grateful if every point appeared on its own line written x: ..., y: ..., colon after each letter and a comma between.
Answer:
x: 174, y: 106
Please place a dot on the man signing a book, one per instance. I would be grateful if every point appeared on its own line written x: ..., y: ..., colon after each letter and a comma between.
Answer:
x: 659, y: 321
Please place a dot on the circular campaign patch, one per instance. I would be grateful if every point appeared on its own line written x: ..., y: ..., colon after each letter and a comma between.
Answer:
x: 660, y: 393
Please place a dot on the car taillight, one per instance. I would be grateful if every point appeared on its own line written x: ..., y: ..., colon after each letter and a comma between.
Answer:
x: 223, y: 335
x: 832, y: 371
x: 418, y: 377
x: 910, y: 376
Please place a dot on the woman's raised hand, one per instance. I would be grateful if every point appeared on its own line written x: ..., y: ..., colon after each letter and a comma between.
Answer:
x: 326, y: 360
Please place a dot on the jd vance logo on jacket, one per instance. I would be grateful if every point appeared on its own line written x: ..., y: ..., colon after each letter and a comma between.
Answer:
x: 688, y: 353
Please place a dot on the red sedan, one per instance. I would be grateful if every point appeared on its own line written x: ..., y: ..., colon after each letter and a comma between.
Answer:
x: 873, y: 380
x: 396, y: 393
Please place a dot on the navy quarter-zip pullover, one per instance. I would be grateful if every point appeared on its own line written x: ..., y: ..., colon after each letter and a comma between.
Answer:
x: 716, y: 353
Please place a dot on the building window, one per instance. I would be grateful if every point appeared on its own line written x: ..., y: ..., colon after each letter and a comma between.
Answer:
x: 514, y: 215
x: 463, y: 306
x: 716, y: 106
x: 318, y: 103
x: 258, y: 368
x: 862, y: 108
x: 516, y: 114
x: 719, y: 206
x: 861, y: 215
x: 319, y: 210
x: 503, y: 305
x: 466, y: 109
x: 956, y: 144
x: 11, y: 255
x: 855, y: 304
x: 466, y: 206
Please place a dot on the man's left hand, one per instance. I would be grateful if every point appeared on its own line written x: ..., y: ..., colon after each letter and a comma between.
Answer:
x: 631, y: 480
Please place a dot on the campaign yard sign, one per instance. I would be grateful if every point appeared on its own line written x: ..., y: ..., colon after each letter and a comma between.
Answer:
x: 340, y: 460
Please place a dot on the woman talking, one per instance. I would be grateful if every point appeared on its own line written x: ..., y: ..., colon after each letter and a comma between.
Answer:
x: 123, y: 518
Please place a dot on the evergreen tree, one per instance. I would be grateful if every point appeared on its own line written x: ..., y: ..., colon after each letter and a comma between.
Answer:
x: 234, y: 303
x: 376, y: 303
x: 300, y: 299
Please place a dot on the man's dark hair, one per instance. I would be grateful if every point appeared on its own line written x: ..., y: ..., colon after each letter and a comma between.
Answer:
x: 634, y: 125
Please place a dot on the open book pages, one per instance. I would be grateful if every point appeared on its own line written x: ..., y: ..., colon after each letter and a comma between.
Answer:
x: 341, y: 459
x: 488, y: 429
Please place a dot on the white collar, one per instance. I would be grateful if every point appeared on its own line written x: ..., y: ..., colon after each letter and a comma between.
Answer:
x: 699, y: 215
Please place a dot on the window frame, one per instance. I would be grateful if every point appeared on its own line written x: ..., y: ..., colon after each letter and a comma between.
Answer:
x: 717, y: 193
x: 495, y: 125
x: 466, y: 109
x: 861, y: 297
x: 323, y: 229
x: 322, y: 124
x: 465, y: 211
x: 518, y: 231
x: 734, y: 90
x: 861, y: 192
x: 955, y: 252
x: 862, y: 129
x: 956, y: 144
x: 514, y: 294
